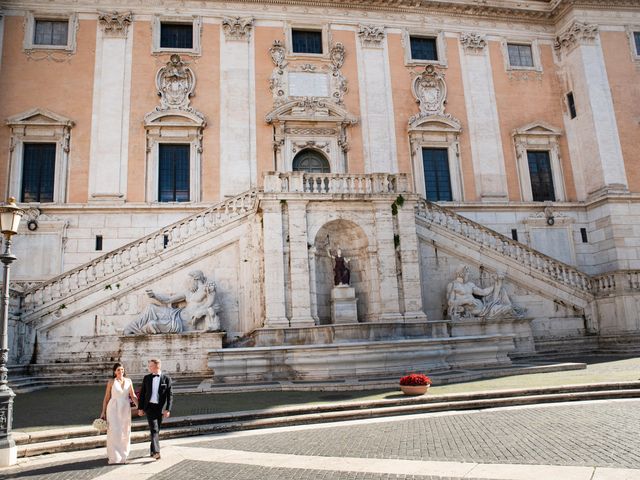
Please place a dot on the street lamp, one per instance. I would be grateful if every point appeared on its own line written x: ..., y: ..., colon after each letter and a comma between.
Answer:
x: 10, y: 215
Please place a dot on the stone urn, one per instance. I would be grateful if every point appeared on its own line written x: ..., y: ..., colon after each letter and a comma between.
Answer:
x: 414, y: 389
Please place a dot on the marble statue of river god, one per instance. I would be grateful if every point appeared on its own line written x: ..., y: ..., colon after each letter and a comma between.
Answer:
x: 201, y: 309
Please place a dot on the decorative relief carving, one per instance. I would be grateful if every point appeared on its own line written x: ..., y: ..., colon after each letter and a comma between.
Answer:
x: 115, y: 24
x: 277, y: 53
x: 310, y: 131
x: 430, y: 91
x: 337, y: 56
x: 524, y: 75
x: 237, y: 28
x: 324, y: 146
x: 285, y: 83
x: 175, y: 83
x: 577, y: 34
x: 473, y: 42
x: 371, y: 36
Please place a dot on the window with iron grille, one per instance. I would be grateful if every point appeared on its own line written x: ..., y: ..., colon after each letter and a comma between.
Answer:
x: 38, y: 172
x: 423, y: 48
x: 51, y: 32
x: 541, y: 177
x: 176, y: 35
x: 520, y: 55
x: 306, y: 41
x: 436, y: 174
x: 174, y: 172
x: 310, y: 161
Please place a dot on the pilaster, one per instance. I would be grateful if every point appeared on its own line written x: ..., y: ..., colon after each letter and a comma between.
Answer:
x: 274, y: 294
x: 593, y: 135
x: 108, y: 156
x: 482, y: 117
x: 387, y: 269
x: 410, y: 263
x: 299, y: 264
x: 237, y: 107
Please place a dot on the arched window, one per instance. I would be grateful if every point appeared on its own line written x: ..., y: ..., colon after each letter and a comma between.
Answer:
x: 310, y: 161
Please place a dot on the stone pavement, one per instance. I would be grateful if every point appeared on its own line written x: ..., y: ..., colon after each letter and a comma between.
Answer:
x: 596, y: 440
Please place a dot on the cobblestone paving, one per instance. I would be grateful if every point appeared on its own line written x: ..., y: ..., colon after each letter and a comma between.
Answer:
x: 598, y: 435
x: 196, y: 470
x: 79, y: 470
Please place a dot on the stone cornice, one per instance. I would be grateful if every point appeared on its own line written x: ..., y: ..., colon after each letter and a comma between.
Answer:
x: 537, y: 11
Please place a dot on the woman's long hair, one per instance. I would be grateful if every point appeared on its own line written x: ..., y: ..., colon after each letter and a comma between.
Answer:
x: 115, y: 367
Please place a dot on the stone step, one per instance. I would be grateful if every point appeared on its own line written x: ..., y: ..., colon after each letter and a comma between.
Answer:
x: 70, y: 439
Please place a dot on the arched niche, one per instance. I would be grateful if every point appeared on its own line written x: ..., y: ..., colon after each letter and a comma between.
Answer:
x: 354, y: 244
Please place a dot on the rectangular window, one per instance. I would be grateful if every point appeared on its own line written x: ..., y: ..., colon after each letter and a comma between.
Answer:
x: 176, y: 35
x: 173, y: 175
x: 436, y: 174
x: 514, y: 234
x: 423, y: 48
x: 520, y: 55
x: 636, y: 38
x: 306, y: 41
x: 51, y: 32
x: 583, y: 235
x: 540, y: 174
x: 571, y: 104
x: 98, y: 242
x: 38, y: 172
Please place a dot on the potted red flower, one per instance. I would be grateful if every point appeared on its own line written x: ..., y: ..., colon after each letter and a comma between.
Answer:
x: 415, y: 384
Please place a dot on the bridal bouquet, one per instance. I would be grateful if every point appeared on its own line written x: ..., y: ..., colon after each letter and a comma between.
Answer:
x: 100, y: 425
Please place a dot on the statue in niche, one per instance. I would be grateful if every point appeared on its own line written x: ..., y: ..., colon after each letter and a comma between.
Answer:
x: 465, y: 299
x: 200, y: 312
x: 341, y: 270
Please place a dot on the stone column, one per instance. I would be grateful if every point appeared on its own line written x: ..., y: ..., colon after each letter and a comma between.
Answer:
x: 109, y: 150
x: 484, y: 125
x: 274, y: 296
x: 410, y: 263
x: 237, y: 107
x: 593, y: 136
x: 386, y: 256
x: 376, y: 102
x: 299, y: 264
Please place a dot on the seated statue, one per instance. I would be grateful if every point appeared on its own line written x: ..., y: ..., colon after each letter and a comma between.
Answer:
x: 466, y: 299
x: 201, y: 308
x: 341, y: 270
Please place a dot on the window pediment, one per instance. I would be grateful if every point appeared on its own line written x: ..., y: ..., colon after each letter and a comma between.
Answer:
x: 311, y: 110
x: 436, y: 123
x: 174, y: 119
x: 537, y: 128
x: 39, y: 116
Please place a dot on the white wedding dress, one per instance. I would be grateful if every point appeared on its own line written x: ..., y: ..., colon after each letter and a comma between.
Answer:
x: 119, y: 422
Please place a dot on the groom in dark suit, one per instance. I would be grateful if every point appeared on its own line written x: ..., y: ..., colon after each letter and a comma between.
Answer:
x: 155, y: 400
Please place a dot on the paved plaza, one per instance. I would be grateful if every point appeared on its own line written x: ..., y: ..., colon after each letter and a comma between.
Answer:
x: 594, y: 440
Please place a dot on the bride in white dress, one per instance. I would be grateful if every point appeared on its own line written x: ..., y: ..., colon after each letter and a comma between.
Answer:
x: 116, y: 410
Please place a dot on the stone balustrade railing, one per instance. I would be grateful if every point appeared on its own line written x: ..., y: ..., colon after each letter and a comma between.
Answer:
x: 139, y: 251
x: 616, y: 282
x: 489, y: 239
x: 335, y: 183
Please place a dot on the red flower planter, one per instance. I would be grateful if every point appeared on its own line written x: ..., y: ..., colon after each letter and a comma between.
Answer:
x: 414, y: 389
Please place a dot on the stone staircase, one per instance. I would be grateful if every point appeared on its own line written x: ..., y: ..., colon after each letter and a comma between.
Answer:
x: 478, y: 244
x: 104, y: 271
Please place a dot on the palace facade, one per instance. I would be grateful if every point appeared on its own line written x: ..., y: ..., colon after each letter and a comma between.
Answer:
x: 245, y: 138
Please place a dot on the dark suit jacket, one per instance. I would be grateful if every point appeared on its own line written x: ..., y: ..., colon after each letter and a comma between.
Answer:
x: 165, y: 395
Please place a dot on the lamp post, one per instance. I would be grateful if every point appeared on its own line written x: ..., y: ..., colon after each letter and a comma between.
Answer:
x: 10, y: 215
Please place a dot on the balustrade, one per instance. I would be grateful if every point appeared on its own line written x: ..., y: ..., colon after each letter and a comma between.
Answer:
x: 503, y: 245
x: 138, y: 251
x: 335, y: 183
